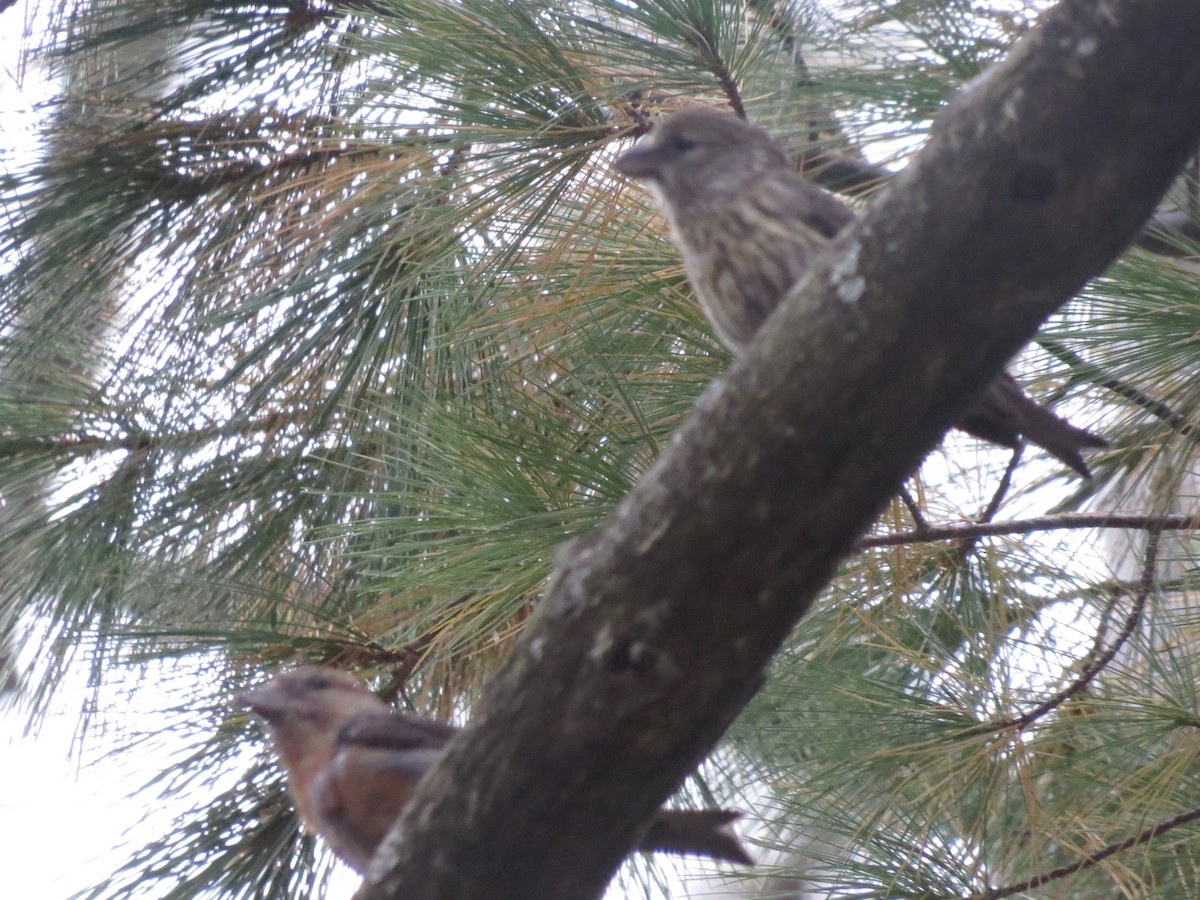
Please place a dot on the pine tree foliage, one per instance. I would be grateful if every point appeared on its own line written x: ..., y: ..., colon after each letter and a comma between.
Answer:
x: 322, y: 325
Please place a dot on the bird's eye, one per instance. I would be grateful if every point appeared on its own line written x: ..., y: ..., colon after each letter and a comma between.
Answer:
x: 681, y: 143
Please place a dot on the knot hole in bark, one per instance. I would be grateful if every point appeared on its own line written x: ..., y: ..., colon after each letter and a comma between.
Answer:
x: 631, y: 657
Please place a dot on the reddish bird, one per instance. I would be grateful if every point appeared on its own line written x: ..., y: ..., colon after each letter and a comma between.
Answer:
x: 352, y: 762
x: 748, y: 226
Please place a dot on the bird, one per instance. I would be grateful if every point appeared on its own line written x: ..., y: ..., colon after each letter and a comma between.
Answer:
x: 352, y: 763
x: 748, y: 227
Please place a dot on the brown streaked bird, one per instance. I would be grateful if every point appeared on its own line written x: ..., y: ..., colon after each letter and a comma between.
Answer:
x: 352, y: 762
x: 748, y: 226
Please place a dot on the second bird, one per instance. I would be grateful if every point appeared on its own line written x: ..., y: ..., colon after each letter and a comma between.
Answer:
x: 352, y: 762
x: 748, y: 226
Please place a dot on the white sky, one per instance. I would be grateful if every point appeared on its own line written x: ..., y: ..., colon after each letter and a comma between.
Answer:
x: 50, y: 820
x: 59, y: 823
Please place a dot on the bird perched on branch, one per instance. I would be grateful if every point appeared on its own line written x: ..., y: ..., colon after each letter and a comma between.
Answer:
x: 748, y: 226
x: 352, y: 762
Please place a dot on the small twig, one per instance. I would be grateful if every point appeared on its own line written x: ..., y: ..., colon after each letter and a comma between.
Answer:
x: 137, y: 441
x: 1096, y: 663
x: 636, y: 110
x: 968, y: 544
x: 1067, y: 521
x: 405, y: 658
x: 709, y: 54
x: 1134, y: 395
x: 993, y: 507
x: 1086, y: 862
x: 919, y: 522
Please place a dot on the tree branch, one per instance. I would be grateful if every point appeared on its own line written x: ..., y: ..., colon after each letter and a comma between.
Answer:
x: 1067, y: 521
x: 857, y: 177
x: 82, y: 444
x: 967, y: 545
x: 656, y: 629
x: 1133, y: 394
x: 1097, y: 661
x: 710, y: 56
x: 1091, y: 859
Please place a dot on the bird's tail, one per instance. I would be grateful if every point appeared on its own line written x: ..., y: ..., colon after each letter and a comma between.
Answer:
x: 1005, y: 414
x: 704, y: 832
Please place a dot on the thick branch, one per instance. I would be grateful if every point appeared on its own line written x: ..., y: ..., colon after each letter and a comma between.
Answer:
x: 656, y: 628
x: 1167, y: 233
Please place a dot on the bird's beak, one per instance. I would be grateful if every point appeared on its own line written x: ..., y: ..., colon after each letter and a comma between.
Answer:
x: 641, y: 161
x: 266, y: 701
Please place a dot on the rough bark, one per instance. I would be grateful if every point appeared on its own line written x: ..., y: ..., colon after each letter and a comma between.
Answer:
x: 656, y: 628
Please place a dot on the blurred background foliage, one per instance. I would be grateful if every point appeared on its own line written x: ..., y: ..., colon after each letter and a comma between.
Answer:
x: 323, y: 325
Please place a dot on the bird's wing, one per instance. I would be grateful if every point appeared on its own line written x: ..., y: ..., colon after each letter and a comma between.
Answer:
x: 394, y: 731
x: 379, y: 759
x: 820, y: 210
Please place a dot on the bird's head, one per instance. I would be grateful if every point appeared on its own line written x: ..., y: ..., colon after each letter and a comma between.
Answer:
x: 700, y: 154
x: 308, y: 692
x: 306, y: 707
